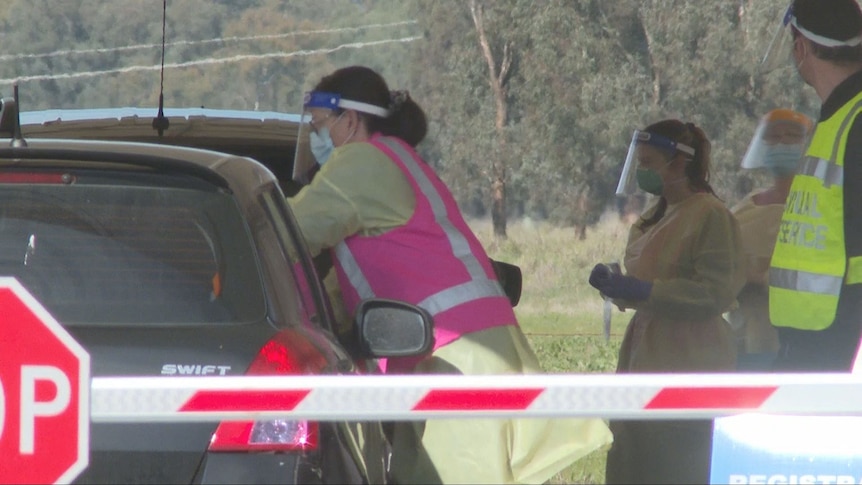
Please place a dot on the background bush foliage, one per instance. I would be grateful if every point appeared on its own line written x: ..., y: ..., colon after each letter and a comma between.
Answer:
x: 552, y: 129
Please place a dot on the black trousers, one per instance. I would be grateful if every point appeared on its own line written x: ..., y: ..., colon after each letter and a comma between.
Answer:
x: 660, y: 452
x: 817, y: 354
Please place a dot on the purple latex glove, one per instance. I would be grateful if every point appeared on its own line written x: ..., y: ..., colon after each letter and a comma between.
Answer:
x: 615, y: 285
x: 600, y: 275
x: 626, y: 288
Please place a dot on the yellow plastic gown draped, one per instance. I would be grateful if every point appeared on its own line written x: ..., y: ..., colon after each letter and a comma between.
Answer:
x: 759, y: 226
x: 360, y: 190
x: 525, y: 451
x: 693, y: 256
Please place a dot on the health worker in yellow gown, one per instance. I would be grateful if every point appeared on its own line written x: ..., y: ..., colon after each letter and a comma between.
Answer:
x: 394, y: 231
x: 776, y: 148
x: 683, y: 269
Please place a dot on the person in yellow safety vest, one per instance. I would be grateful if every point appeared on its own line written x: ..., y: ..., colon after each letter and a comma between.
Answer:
x: 395, y: 231
x: 815, y: 277
x: 684, y: 268
x: 776, y: 148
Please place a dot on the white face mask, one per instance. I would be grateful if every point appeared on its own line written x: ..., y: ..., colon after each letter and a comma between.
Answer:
x: 321, y: 145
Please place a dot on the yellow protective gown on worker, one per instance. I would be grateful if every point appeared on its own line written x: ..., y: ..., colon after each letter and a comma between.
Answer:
x: 693, y: 256
x: 759, y: 225
x: 345, y: 198
x: 528, y: 450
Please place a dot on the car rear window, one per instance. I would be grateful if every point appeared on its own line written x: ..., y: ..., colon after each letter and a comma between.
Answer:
x: 129, y: 248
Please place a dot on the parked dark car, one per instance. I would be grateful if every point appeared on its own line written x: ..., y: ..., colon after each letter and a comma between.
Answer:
x: 168, y: 260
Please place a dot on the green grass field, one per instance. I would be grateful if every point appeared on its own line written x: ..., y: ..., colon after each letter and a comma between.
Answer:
x: 559, y: 311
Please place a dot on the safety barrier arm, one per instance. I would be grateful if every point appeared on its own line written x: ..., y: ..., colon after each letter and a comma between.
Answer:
x: 419, y: 397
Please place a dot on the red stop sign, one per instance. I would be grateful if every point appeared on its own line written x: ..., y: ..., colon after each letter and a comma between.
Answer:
x: 44, y: 393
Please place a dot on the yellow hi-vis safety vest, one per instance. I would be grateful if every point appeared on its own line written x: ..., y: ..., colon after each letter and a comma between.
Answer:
x: 809, y: 263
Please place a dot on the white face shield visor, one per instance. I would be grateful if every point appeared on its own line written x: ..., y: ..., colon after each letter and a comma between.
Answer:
x: 313, y: 141
x: 303, y: 160
x: 645, y: 146
x: 779, y: 142
x: 778, y: 53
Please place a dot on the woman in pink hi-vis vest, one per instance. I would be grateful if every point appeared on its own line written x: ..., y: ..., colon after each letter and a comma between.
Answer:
x: 395, y: 231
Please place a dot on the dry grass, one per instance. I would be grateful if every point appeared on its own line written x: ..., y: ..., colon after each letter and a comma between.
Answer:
x: 556, y: 266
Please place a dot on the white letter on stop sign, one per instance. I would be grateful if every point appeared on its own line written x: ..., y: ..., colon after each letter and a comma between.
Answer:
x: 31, y: 409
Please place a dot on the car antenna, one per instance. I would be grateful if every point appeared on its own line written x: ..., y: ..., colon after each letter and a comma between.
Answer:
x: 160, y: 122
x: 17, y: 138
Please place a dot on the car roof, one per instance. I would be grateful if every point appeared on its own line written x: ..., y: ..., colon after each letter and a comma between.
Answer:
x: 57, y: 115
x: 236, y: 171
x: 131, y: 122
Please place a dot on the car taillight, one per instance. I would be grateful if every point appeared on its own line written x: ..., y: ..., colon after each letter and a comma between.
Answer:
x: 36, y: 178
x: 288, y: 353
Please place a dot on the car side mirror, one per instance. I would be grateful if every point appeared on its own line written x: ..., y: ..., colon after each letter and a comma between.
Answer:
x: 510, y: 279
x: 390, y: 328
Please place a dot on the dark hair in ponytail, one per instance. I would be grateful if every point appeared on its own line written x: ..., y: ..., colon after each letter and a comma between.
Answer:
x: 697, y: 170
x: 406, y: 118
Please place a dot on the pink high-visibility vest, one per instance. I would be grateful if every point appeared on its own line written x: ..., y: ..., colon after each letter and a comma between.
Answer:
x: 433, y: 261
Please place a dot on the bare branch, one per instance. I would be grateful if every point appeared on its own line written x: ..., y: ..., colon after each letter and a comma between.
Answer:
x: 477, y: 10
x: 505, y: 64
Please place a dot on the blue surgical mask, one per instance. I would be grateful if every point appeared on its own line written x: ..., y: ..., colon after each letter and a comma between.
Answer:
x: 321, y: 145
x: 782, y: 159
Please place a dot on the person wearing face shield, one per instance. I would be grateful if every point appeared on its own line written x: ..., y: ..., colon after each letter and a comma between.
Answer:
x: 395, y: 231
x: 683, y: 269
x: 776, y: 148
x: 815, y: 274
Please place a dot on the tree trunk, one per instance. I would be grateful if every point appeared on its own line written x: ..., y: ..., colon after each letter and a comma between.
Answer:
x: 581, y: 232
x: 497, y: 81
x: 656, y: 72
x: 498, y: 208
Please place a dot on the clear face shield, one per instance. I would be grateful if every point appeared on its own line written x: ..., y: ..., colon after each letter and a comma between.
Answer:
x: 647, y: 151
x: 779, y: 142
x: 305, y: 162
x: 778, y: 53
x: 314, y: 144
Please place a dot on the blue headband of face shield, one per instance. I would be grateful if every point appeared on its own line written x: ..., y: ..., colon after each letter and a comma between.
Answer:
x: 318, y: 99
x: 788, y: 15
x: 333, y: 101
x: 627, y: 184
x: 664, y: 143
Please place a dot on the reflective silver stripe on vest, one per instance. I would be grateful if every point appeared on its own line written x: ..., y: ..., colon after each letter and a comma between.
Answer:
x: 351, y: 270
x: 805, y: 281
x: 829, y: 173
x: 479, y: 286
x: 460, y: 247
x: 456, y: 295
x: 845, y: 125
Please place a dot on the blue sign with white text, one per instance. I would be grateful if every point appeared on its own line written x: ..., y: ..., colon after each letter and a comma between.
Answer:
x: 782, y: 450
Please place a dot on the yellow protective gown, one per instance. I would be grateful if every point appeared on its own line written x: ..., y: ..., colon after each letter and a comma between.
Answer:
x: 360, y: 190
x: 693, y: 256
x: 490, y: 450
x: 759, y: 226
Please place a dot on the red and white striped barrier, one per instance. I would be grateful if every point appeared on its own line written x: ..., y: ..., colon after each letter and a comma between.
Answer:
x: 643, y: 396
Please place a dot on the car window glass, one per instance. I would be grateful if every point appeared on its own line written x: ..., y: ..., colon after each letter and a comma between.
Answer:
x: 302, y: 282
x: 116, y: 249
